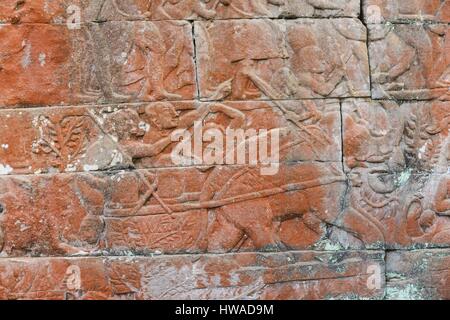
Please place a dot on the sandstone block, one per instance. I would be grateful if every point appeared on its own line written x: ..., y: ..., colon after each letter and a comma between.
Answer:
x: 293, y: 275
x: 301, y: 59
x: 143, y: 136
x: 410, y: 61
x: 418, y: 275
x: 397, y: 162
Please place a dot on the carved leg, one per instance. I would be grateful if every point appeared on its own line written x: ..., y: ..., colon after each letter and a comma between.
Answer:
x: 102, y: 64
x: 223, y: 236
x: 361, y: 227
x: 153, y: 88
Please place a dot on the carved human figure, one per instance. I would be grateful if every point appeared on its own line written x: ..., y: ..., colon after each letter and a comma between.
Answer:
x: 426, y: 50
x: 164, y: 119
x: 101, y: 73
x: 75, y: 230
x: 399, y: 54
x: 414, y: 54
x: 149, y: 42
x: 250, y: 7
x: 311, y: 72
x: 439, y: 71
x: 104, y: 10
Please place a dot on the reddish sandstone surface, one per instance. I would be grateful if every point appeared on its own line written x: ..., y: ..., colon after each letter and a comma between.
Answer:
x: 93, y: 205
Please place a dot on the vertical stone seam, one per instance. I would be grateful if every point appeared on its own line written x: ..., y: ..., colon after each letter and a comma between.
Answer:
x: 196, y: 65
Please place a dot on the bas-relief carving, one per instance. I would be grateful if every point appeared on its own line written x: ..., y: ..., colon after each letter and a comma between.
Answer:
x: 379, y: 11
x: 210, y: 215
x: 95, y: 138
x: 55, y: 140
x: 410, y: 61
x: 98, y: 63
x: 394, y: 190
x: 132, y: 201
x: 230, y: 276
x: 291, y: 62
x: 397, y: 166
x: 223, y: 9
x: 41, y: 11
x: 146, y: 134
x: 147, y: 61
x: 143, y: 211
x: 397, y: 160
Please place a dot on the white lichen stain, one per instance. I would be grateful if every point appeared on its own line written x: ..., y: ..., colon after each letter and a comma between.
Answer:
x: 5, y: 169
x: 117, y: 158
x: 409, y: 292
x: 90, y: 167
x: 422, y: 151
x: 404, y: 177
x: 71, y: 168
x: 327, y: 245
x: 26, y: 59
x: 42, y: 57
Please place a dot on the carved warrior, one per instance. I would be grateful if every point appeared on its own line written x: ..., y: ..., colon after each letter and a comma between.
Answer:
x: 97, y: 72
x: 102, y: 196
x: 173, y: 9
x: 149, y: 43
x: 104, y: 10
x: 319, y: 75
x: 187, y: 7
x: 141, y: 188
x: 163, y: 119
x: 261, y: 7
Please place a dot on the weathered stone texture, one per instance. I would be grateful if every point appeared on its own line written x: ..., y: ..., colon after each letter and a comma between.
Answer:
x: 58, y: 12
x: 109, y: 62
x: 396, y: 157
x: 170, y: 210
x: 410, y: 61
x: 301, y: 59
x: 422, y: 275
x: 118, y: 136
x: 94, y: 203
x: 307, y: 275
x: 377, y: 11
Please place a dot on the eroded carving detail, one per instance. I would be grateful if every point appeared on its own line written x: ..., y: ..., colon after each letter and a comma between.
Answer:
x: 65, y: 140
x: 398, y: 171
x: 410, y: 61
x: 295, y: 63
